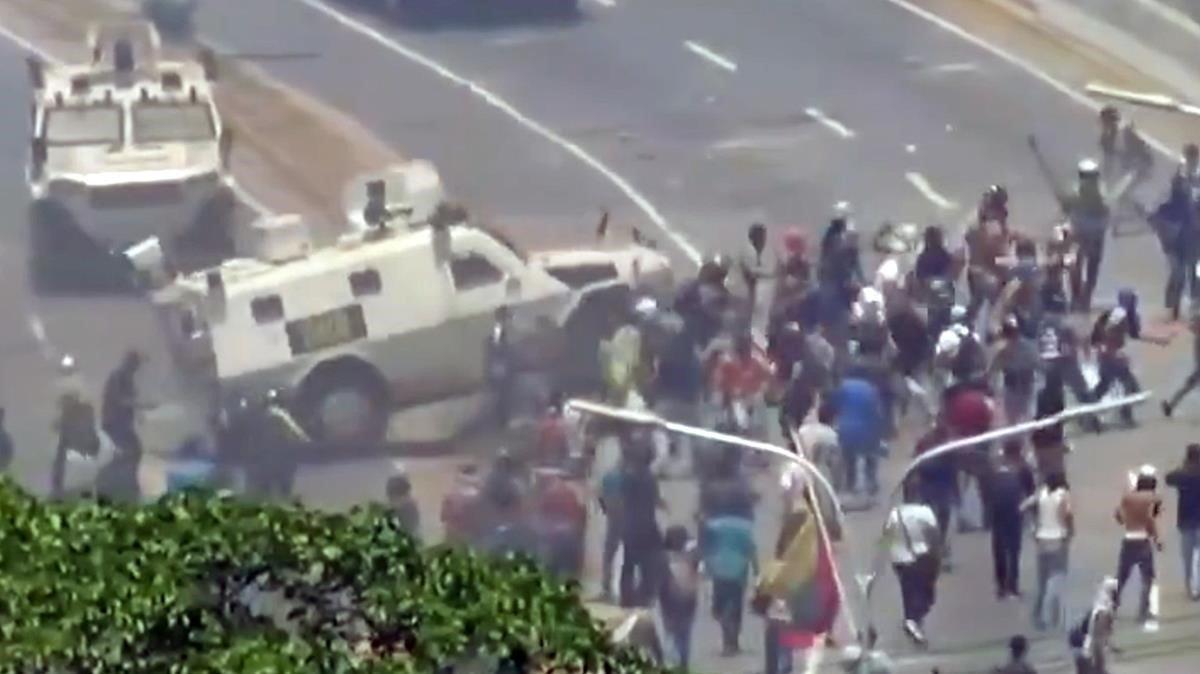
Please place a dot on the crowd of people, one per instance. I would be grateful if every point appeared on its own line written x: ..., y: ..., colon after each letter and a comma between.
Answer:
x: 949, y: 341
x: 797, y: 342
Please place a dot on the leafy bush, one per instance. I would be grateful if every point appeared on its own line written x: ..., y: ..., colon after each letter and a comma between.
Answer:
x: 202, y: 583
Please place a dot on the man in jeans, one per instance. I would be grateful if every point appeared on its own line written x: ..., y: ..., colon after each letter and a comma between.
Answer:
x: 1010, y: 483
x: 1186, y: 479
x: 1138, y: 513
x: 730, y: 559
x: 1054, y: 526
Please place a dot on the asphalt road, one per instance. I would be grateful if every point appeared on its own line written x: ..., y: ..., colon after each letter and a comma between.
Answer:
x: 707, y: 109
x: 718, y: 114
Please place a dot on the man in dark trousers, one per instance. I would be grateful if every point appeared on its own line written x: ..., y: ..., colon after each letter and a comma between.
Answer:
x: 118, y: 416
x: 1186, y: 479
x: 641, y: 539
x: 1008, y: 486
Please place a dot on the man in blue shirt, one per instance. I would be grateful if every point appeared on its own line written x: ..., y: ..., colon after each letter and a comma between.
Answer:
x: 860, y: 427
x: 730, y: 558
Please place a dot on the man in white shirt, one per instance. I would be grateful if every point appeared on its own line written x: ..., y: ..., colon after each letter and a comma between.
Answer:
x: 913, y: 544
x: 1054, y: 526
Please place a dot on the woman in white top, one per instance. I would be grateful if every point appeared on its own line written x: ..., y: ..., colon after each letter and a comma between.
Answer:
x: 1054, y: 526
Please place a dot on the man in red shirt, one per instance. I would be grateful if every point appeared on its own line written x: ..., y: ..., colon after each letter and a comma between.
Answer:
x: 741, y: 377
x: 969, y: 410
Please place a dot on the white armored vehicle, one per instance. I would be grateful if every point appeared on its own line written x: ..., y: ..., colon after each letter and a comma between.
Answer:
x: 124, y: 147
x: 395, y: 314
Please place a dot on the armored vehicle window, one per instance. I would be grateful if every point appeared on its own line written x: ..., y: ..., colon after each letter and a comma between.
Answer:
x: 172, y: 122
x: 267, y: 309
x: 474, y: 271
x: 95, y: 125
x: 585, y: 274
x: 365, y: 282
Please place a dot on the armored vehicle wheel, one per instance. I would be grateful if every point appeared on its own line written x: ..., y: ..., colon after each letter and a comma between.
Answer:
x: 344, y: 403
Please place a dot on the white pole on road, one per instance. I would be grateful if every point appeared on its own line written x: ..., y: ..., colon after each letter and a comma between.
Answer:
x: 810, y: 469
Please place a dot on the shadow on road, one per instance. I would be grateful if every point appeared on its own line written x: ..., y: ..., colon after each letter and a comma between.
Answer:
x: 436, y: 15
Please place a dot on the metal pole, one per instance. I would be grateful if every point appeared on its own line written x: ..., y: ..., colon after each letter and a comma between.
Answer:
x: 650, y: 419
x: 973, y: 441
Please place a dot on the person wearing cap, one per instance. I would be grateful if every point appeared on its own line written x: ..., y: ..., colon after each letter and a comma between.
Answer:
x: 1177, y: 223
x: 1186, y: 480
x: 1088, y: 207
x: 1137, y: 513
x: 74, y: 424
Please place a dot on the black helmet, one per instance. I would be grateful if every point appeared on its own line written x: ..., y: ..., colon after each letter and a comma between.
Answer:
x: 996, y: 194
x: 1109, y: 113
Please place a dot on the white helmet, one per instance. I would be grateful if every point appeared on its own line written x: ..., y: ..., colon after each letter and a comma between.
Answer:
x: 67, y: 364
x: 1088, y: 167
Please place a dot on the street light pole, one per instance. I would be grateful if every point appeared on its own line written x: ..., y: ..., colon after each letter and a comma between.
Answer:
x: 810, y: 469
x: 960, y: 444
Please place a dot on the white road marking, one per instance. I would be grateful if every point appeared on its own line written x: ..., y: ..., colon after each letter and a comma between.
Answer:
x: 606, y: 3
x: 948, y: 68
x: 922, y: 184
x: 830, y: 123
x: 710, y: 55
x: 1008, y: 57
x: 260, y: 209
x: 496, y: 101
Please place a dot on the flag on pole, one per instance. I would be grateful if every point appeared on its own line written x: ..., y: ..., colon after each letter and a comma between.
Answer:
x: 803, y: 578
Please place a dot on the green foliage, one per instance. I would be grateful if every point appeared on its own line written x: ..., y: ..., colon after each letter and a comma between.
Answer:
x: 198, y: 583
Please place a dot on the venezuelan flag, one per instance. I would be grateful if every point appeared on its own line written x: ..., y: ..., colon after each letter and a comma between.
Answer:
x: 803, y: 578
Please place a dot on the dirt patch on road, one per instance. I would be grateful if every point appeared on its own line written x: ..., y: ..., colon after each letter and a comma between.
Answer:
x: 294, y: 152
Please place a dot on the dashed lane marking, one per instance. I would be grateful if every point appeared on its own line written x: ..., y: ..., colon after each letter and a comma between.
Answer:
x: 1014, y: 60
x: 499, y: 103
x: 922, y: 184
x: 710, y: 56
x: 830, y: 123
